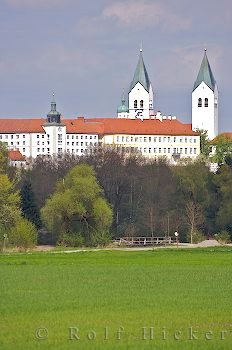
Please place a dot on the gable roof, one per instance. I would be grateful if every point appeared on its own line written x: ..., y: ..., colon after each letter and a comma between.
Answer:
x: 145, y: 127
x: 101, y: 126
x: 141, y: 75
x: 16, y: 156
x: 205, y: 74
x: 14, y: 126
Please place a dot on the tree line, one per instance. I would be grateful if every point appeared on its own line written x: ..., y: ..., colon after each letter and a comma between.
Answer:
x: 91, y: 199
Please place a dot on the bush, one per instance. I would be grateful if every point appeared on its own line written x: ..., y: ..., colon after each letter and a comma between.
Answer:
x: 223, y: 237
x: 100, y: 238
x: 198, y: 237
x: 71, y: 240
x: 24, y: 235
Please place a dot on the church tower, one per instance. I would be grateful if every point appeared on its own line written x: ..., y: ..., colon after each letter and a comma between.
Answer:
x: 140, y: 96
x: 205, y: 101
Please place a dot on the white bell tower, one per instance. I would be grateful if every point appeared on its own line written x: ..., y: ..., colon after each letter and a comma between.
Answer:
x: 141, y: 94
x: 205, y: 101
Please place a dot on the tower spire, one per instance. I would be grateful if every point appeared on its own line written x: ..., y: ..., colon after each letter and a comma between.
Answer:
x: 53, y: 116
x: 141, y: 75
x: 205, y: 74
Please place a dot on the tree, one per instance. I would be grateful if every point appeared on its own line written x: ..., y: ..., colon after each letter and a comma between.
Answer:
x: 193, y: 196
x: 78, y: 206
x: 23, y: 234
x: 4, y: 163
x: 9, y: 203
x: 223, y: 148
x: 204, y: 143
x: 223, y: 181
x: 28, y: 204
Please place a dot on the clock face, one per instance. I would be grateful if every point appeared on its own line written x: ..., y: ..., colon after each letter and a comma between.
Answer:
x: 138, y: 113
x: 59, y: 129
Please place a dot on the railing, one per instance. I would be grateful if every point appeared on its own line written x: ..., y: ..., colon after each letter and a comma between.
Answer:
x: 144, y: 241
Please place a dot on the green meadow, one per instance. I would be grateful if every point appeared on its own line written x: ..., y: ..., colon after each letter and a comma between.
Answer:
x: 161, y: 299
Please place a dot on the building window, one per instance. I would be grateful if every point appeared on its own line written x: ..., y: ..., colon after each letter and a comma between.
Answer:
x: 195, y: 151
x: 132, y: 139
x: 199, y: 102
x: 6, y: 136
x: 37, y: 136
x: 185, y: 150
x: 17, y: 136
x: 118, y: 139
x: 159, y: 150
x: 159, y: 139
x: 190, y: 150
x: 24, y: 149
x: 164, y: 150
x: 169, y: 150
x: 38, y: 149
x: 154, y: 139
x: 59, y: 137
x: 154, y: 150
x: 67, y: 136
x: 12, y: 136
x: 149, y: 150
x: 135, y: 104
x: 141, y: 104
x: 145, y: 139
x: 42, y: 136
x: 174, y: 139
x: 206, y: 102
x: 149, y: 139
x: 24, y: 136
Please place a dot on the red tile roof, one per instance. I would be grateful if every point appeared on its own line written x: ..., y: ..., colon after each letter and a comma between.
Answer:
x: 14, y: 126
x: 16, y: 156
x: 107, y: 126
x: 226, y: 135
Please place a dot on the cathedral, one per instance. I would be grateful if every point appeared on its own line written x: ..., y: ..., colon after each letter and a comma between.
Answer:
x: 137, y: 128
x: 204, y: 98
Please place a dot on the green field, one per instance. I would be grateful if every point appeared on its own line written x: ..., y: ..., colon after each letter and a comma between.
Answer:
x: 47, y: 299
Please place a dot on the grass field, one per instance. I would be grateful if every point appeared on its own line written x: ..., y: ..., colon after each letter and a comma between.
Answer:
x: 183, y: 294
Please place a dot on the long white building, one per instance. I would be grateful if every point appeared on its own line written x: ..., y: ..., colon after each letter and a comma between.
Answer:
x: 136, y: 130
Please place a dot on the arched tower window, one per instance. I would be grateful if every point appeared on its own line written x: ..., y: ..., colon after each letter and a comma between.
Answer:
x: 135, y: 104
x: 199, y: 102
x: 141, y: 104
x: 206, y: 102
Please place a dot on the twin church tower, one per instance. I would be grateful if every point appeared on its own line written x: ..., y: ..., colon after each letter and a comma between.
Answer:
x: 204, y: 98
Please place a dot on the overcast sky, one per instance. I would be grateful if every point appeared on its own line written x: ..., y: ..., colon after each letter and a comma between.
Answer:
x: 87, y: 51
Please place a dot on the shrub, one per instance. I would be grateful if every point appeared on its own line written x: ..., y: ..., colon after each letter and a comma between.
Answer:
x: 223, y: 237
x: 198, y: 237
x: 71, y: 240
x: 23, y: 235
x: 100, y: 238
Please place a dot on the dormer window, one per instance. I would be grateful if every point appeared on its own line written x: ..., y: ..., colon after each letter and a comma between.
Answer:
x: 141, y: 104
x: 135, y: 104
x: 206, y: 102
x: 199, y: 102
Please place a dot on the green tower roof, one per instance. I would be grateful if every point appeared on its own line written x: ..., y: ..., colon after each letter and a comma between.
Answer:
x: 205, y: 74
x: 123, y: 108
x: 141, y: 75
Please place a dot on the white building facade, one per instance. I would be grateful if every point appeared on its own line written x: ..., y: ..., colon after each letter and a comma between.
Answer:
x: 136, y: 130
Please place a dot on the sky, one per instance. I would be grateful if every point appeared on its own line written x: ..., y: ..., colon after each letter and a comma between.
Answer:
x: 86, y: 53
